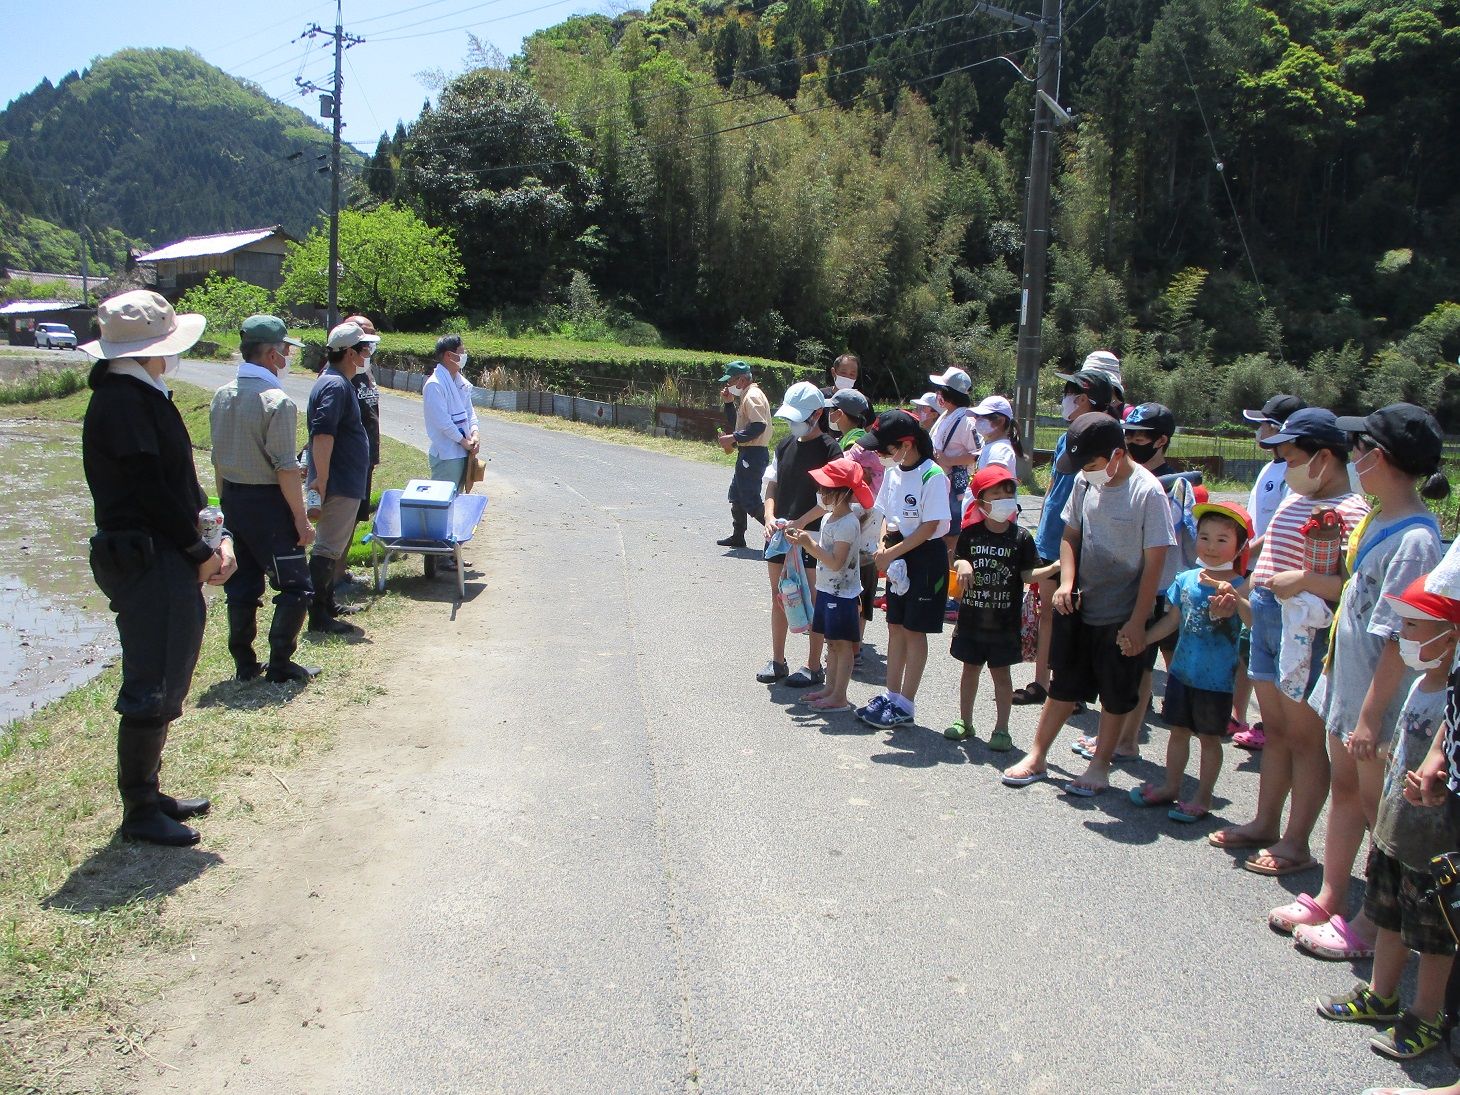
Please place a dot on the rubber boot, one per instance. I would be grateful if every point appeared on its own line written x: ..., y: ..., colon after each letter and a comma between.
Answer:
x: 139, y: 759
x: 243, y: 627
x: 342, y: 566
x: 284, y: 640
x: 321, y: 571
x: 738, y: 524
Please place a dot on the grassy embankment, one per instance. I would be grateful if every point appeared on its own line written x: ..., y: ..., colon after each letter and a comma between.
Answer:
x: 73, y: 901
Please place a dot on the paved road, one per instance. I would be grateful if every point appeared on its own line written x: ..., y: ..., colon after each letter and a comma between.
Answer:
x: 635, y: 869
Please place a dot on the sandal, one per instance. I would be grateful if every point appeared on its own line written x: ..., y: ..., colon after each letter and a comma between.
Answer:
x: 1223, y: 838
x: 1251, y: 739
x: 1303, y: 912
x: 1334, y: 941
x: 1277, y: 866
x: 1141, y: 797
x: 1000, y: 741
x: 1186, y: 813
x: 1031, y: 693
x: 959, y: 731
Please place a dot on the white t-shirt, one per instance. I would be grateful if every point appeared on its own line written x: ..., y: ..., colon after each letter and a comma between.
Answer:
x: 1267, y: 493
x: 909, y: 497
x: 953, y: 433
x: 999, y: 452
x: 846, y: 582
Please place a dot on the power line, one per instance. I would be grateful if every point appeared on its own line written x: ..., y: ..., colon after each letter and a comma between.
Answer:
x: 429, y: 19
x: 478, y: 23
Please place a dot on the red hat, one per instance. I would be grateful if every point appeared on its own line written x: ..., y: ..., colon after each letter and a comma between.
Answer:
x: 991, y: 476
x: 1417, y: 603
x: 845, y: 472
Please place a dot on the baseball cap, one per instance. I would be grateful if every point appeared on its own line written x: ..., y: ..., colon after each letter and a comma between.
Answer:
x: 802, y: 400
x: 1155, y: 417
x: 1409, y: 432
x: 954, y: 378
x: 845, y: 472
x: 734, y: 369
x: 1276, y: 410
x: 345, y: 335
x: 851, y: 402
x: 267, y: 329
x: 995, y: 404
x: 889, y: 428
x: 991, y: 476
x: 927, y: 399
x: 1093, y: 434
x: 1418, y: 603
x: 1093, y: 383
x: 1314, y: 423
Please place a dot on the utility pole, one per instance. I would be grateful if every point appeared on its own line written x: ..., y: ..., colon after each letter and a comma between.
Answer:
x: 80, y: 196
x: 329, y: 107
x: 1036, y: 233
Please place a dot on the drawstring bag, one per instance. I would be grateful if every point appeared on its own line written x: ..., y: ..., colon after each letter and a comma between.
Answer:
x: 794, y: 587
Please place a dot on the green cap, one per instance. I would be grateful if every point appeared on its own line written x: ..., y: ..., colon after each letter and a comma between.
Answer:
x: 266, y: 329
x: 734, y: 369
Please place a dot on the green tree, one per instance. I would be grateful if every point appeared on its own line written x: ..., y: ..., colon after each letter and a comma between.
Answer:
x: 225, y: 301
x: 391, y: 263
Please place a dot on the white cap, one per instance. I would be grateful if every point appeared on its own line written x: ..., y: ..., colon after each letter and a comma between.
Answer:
x: 1105, y: 361
x: 995, y: 404
x: 345, y: 335
x: 802, y: 400
x: 927, y: 399
x: 954, y: 378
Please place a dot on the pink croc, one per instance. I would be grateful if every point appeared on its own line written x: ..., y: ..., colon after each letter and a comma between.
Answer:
x: 1335, y: 941
x: 1304, y: 912
x: 1252, y: 738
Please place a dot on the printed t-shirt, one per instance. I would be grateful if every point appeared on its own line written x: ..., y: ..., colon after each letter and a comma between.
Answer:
x: 846, y: 582
x: 1412, y: 834
x: 910, y: 497
x: 993, y: 596
x: 1206, y: 649
x: 1117, y: 523
x: 1267, y: 494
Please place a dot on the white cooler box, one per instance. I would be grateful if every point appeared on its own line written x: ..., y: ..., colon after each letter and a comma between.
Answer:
x: 425, y: 509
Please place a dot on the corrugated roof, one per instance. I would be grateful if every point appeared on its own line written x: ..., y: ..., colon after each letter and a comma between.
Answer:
x: 30, y: 307
x: 197, y: 246
x: 39, y: 277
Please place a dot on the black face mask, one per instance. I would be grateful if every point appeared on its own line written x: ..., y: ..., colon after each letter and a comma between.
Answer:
x: 1140, y: 453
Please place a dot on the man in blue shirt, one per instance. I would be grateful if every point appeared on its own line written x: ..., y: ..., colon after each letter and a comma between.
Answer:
x: 1085, y: 391
x: 339, y: 467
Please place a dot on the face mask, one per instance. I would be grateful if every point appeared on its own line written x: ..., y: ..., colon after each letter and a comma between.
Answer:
x: 1140, y: 453
x: 983, y: 427
x: 1410, y: 652
x: 800, y: 429
x: 734, y: 393
x: 1208, y: 563
x: 1002, y: 509
x: 1067, y: 407
x: 171, y: 363
x: 284, y: 364
x: 842, y: 383
x: 1300, y: 477
x: 886, y: 459
x: 1096, y: 479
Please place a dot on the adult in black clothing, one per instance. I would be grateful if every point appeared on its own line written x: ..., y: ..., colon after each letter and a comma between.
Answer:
x: 147, y: 555
x: 369, y: 393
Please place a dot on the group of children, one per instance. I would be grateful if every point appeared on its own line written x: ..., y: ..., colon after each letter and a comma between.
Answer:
x: 1322, y: 605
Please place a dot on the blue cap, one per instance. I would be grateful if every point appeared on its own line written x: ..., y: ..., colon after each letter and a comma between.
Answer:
x: 1316, y: 424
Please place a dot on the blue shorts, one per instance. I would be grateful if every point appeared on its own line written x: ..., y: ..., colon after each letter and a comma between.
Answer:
x: 838, y: 619
x: 1267, y: 641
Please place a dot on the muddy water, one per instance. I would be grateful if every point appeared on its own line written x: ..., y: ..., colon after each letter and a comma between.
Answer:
x: 55, y: 631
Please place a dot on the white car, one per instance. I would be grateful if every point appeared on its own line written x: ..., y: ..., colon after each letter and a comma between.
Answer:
x: 55, y: 336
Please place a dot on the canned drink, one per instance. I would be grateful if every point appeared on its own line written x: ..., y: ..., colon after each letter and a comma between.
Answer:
x: 210, y: 526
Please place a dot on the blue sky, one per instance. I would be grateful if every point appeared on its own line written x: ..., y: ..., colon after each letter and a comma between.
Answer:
x: 256, y: 40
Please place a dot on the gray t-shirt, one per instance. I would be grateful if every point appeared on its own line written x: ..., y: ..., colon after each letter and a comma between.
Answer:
x: 1116, y: 525
x: 846, y: 582
x: 1412, y: 834
x: 1365, y: 621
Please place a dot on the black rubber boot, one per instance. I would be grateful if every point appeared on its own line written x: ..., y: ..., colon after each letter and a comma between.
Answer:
x: 284, y: 640
x: 180, y: 809
x: 738, y: 523
x: 243, y: 628
x: 139, y: 758
x: 321, y: 571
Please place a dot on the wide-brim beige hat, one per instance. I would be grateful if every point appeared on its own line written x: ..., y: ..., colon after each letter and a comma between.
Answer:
x: 142, y: 324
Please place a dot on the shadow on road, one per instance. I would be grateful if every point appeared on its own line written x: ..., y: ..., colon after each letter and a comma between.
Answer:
x: 120, y: 873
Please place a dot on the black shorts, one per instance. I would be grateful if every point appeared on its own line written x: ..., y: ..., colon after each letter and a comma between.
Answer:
x: 1085, y: 663
x: 1168, y: 644
x: 925, y: 604
x: 1196, y: 709
x: 869, y: 588
x: 991, y: 648
x: 1394, y: 899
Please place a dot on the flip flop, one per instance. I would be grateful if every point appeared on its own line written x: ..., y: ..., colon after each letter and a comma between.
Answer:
x: 825, y: 710
x: 1186, y: 816
x: 1282, y: 867
x: 1023, y: 781
x: 1081, y: 791
x: 1334, y: 941
x: 1220, y: 839
x: 1303, y: 912
x: 1138, y: 796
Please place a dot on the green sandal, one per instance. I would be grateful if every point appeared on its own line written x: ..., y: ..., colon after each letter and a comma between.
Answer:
x: 1360, y: 1004
x: 1000, y: 741
x: 959, y: 731
x: 1409, y: 1038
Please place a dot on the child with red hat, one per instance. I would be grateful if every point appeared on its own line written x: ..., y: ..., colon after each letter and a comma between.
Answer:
x: 1406, y: 837
x: 994, y: 560
x: 837, y: 616
x: 1208, y: 605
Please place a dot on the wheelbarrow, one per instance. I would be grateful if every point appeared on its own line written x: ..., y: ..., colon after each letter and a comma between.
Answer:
x: 386, y: 541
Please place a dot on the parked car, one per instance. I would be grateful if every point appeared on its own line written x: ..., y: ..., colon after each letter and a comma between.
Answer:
x: 55, y: 336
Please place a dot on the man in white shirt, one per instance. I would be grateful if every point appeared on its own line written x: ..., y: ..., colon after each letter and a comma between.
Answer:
x: 451, y: 420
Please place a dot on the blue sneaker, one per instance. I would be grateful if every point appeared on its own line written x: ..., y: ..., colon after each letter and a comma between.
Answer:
x: 869, y: 713
x: 889, y: 716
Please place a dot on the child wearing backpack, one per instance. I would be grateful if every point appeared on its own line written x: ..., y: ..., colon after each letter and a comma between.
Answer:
x: 1207, y: 604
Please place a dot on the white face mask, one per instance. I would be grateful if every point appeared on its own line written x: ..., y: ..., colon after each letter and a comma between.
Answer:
x: 983, y: 427
x: 887, y: 459
x: 1097, y: 479
x: 171, y: 363
x: 1411, y: 653
x: 800, y: 429
x: 1002, y: 509
x: 842, y: 383
x: 734, y: 393
x: 1207, y: 563
x: 1067, y: 407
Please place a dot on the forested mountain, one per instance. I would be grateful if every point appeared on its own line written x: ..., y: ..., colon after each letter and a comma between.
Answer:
x: 1254, y: 193
x: 152, y: 144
